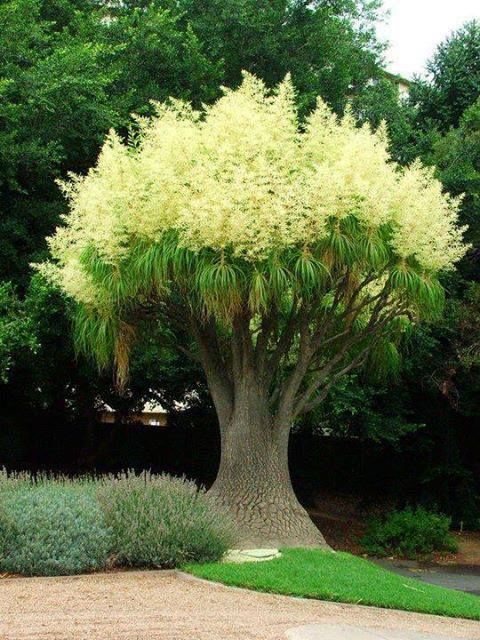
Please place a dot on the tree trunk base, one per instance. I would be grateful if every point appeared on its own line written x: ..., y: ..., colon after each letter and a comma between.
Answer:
x: 253, y: 482
x: 267, y: 519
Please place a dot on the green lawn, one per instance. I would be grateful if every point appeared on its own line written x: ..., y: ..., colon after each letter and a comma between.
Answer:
x: 340, y: 577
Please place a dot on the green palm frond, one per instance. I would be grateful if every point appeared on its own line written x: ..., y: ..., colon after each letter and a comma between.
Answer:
x: 400, y: 327
x: 339, y: 245
x: 430, y: 298
x: 372, y: 251
x: 114, y: 284
x: 405, y: 279
x: 310, y: 274
x: 148, y: 266
x: 259, y: 295
x: 280, y: 280
x: 220, y: 285
x: 424, y: 293
x: 350, y: 226
x: 384, y: 359
x: 223, y: 285
x: 95, y: 335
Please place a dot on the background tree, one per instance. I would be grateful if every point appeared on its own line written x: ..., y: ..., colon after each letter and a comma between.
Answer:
x: 17, y: 333
x: 330, y: 48
x: 54, y: 113
x: 436, y: 387
x: 454, y: 79
x: 290, y: 258
x: 378, y: 103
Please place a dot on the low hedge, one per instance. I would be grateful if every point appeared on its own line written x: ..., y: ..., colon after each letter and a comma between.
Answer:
x: 159, y: 521
x: 60, y: 526
x: 410, y: 533
x: 52, y: 530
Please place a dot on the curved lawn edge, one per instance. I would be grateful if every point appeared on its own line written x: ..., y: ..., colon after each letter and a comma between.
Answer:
x: 340, y: 577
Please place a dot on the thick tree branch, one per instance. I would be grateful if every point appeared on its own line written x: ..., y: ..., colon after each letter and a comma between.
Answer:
x: 306, y: 403
x: 218, y: 379
x: 267, y: 328
x: 382, y: 314
x: 291, y: 385
x: 285, y: 340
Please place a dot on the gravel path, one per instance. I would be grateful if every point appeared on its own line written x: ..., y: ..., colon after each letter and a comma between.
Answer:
x: 141, y: 605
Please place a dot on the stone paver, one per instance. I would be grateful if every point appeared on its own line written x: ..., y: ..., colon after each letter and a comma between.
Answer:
x: 251, y: 555
x: 349, y: 632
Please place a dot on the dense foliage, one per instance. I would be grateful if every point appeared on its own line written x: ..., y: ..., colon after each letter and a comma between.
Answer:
x: 17, y: 331
x: 59, y: 526
x: 411, y: 533
x: 158, y: 521
x: 454, y: 84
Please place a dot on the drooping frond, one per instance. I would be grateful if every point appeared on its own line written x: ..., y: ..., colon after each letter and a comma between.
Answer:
x: 259, y: 295
x: 220, y: 288
x: 384, y: 359
x: 310, y: 274
x: 95, y: 335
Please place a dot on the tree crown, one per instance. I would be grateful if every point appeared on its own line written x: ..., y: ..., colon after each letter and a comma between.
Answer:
x: 240, y: 206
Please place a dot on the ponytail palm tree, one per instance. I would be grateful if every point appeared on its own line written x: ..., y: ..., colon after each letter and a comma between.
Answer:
x: 289, y: 256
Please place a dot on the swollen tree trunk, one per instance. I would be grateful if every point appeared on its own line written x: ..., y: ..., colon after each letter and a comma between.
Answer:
x: 253, y: 482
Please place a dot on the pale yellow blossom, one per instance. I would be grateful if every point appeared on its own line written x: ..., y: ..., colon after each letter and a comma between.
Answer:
x: 244, y: 177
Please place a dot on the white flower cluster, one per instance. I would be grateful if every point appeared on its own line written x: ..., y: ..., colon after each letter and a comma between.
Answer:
x: 244, y: 177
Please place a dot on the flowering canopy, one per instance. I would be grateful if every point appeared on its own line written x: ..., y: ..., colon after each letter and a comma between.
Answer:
x: 241, y: 206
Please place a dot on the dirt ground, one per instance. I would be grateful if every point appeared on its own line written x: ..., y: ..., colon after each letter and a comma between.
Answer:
x: 342, y: 518
x: 468, y: 548
x: 141, y: 605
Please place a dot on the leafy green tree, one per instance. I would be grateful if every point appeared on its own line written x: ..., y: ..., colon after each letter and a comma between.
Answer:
x: 157, y: 55
x: 54, y: 113
x: 289, y: 258
x: 330, y: 48
x: 16, y: 331
x: 440, y: 381
x: 457, y: 158
x: 380, y: 102
x: 365, y: 409
x: 454, y: 82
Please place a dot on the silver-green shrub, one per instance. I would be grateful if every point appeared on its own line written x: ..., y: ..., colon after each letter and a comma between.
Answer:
x: 51, y: 528
x: 160, y: 521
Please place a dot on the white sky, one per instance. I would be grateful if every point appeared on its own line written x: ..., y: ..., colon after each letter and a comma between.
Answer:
x: 415, y: 28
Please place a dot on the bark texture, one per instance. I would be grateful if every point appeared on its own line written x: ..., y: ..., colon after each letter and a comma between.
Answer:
x: 253, y: 481
x: 266, y: 369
